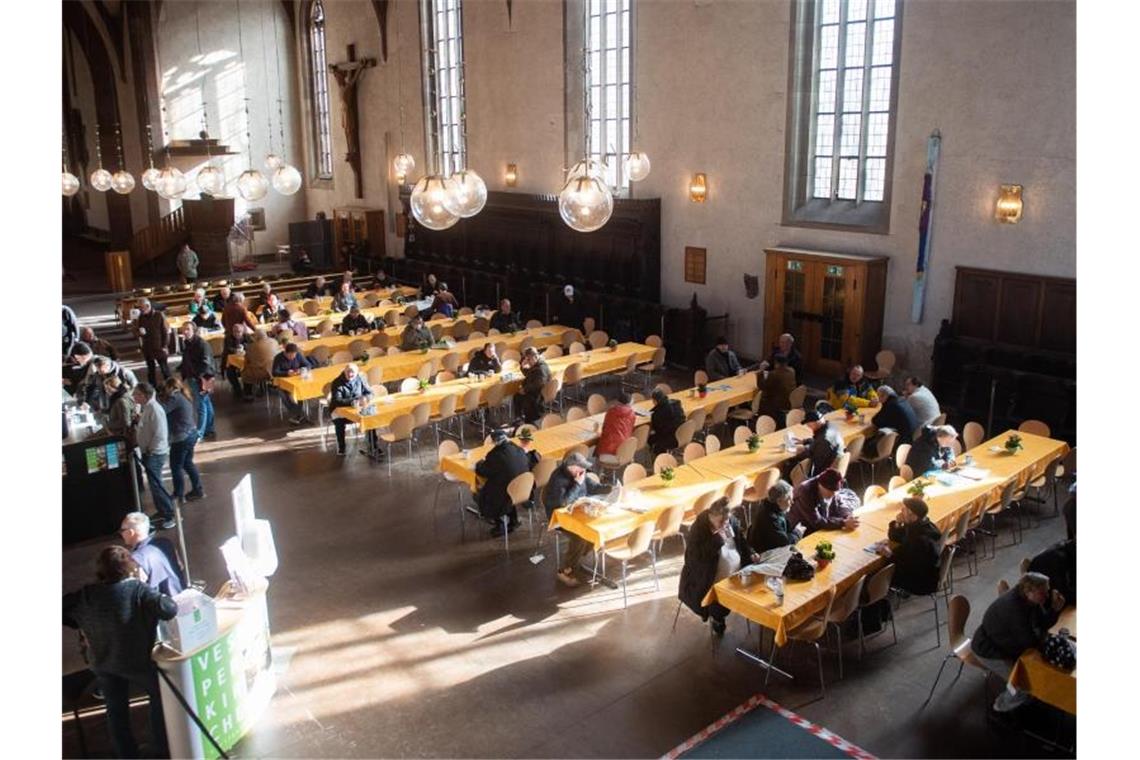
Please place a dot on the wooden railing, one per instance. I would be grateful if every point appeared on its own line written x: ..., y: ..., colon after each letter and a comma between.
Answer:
x: 151, y: 242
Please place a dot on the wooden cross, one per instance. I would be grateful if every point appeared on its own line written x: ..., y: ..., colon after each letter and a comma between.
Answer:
x: 347, y: 75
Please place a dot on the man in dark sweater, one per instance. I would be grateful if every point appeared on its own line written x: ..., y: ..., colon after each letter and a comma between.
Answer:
x: 1017, y: 620
x: 667, y: 416
x: 198, y: 365
x: 289, y: 363
x: 824, y: 503
x: 567, y: 484
x: 896, y: 414
x: 504, y: 320
x: 721, y: 361
x: 118, y: 616
x: 917, y: 548
x: 502, y: 464
x: 769, y: 527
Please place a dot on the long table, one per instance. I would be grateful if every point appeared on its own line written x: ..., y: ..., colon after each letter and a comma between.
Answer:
x: 554, y: 442
x: 385, y: 294
x: 1045, y: 682
x: 947, y: 502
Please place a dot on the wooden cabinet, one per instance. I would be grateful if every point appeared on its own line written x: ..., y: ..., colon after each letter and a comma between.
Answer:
x: 832, y: 303
x: 360, y: 228
x: 1016, y: 309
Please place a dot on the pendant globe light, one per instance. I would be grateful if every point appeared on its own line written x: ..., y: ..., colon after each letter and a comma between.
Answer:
x: 430, y: 202
x: 403, y: 164
x: 585, y: 202
x: 122, y: 181
x: 286, y: 180
x: 273, y: 162
x: 283, y: 177
x: 468, y: 194
x: 637, y: 166
x: 69, y: 181
x: 149, y: 178
x: 171, y: 183
x: 100, y: 178
x: 211, y: 180
x: 252, y: 185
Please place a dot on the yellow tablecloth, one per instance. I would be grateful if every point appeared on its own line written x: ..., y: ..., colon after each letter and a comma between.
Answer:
x: 556, y: 441
x: 176, y: 321
x: 803, y: 599
x: 1049, y: 684
x: 407, y: 363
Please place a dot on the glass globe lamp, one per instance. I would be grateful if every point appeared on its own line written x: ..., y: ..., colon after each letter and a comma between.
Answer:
x: 273, y: 162
x: 171, y: 183
x: 70, y: 184
x: 101, y: 179
x: 430, y: 199
x: 252, y: 185
x: 403, y: 165
x: 150, y: 178
x: 469, y: 194
x: 637, y: 166
x: 585, y: 203
x: 588, y: 166
x: 286, y: 180
x: 211, y: 180
x: 122, y: 182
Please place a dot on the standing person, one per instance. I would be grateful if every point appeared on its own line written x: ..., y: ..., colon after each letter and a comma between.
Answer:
x: 121, y: 414
x: 536, y: 374
x: 895, y: 414
x: 769, y: 528
x: 198, y: 371
x: 617, y: 425
x: 667, y: 416
x: 569, y: 482
x: 155, y: 556
x: 786, y: 347
x: 721, y: 361
x: 183, y: 435
x: 568, y: 310
x: 921, y: 401
x: 349, y: 389
x: 152, y: 438
x: 118, y: 616
x: 824, y: 503
x: 187, y: 264
x: 502, y: 464
x: 776, y: 389
x: 917, y: 548
x: 236, y: 312
x: 154, y: 334
x: 715, y: 549
x: 289, y: 363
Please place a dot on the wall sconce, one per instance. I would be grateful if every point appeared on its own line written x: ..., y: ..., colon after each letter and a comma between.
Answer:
x: 1009, y: 204
x: 698, y: 188
x: 512, y: 175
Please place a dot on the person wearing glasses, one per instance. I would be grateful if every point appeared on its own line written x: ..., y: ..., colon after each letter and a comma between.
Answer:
x: 154, y: 556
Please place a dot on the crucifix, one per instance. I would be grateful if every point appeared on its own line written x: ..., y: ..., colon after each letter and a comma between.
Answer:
x: 347, y: 75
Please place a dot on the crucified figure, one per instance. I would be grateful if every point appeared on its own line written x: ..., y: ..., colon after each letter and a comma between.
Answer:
x: 347, y: 76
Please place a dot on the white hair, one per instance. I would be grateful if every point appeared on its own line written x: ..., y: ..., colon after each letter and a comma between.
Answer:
x: 138, y: 521
x: 200, y: 292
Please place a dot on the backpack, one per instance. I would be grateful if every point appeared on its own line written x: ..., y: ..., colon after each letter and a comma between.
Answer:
x: 798, y: 569
x: 1060, y: 651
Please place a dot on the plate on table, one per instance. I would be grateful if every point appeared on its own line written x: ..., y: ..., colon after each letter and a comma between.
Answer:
x: 996, y: 449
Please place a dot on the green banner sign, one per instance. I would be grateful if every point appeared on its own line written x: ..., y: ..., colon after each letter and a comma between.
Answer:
x: 219, y: 690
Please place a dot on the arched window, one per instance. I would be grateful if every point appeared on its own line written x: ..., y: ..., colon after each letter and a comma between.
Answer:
x: 319, y: 81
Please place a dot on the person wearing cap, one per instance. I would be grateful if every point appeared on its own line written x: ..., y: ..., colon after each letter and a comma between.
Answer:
x: 416, y: 335
x: 824, y: 503
x: 916, y: 546
x: 569, y: 482
x: 355, y: 323
x: 153, y: 334
x: 617, y: 426
x: 536, y: 373
x: 504, y: 320
x: 667, y: 416
x: 769, y: 528
x: 786, y: 348
x: 854, y: 389
x: 345, y: 299
x: 776, y: 389
x: 932, y: 449
x: 444, y: 302
x: 721, y: 361
x: 317, y: 288
x: 503, y: 463
x: 825, y: 445
x: 349, y: 389
x: 567, y: 310
x: 715, y: 549
x: 285, y: 321
x: 485, y: 361
x: 290, y: 363
x: 895, y: 414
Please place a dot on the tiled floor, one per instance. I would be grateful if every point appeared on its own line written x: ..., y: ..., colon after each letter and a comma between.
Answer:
x: 406, y: 641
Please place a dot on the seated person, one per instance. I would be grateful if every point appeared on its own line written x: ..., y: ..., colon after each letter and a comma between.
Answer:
x: 206, y: 320
x: 769, y: 525
x: 825, y: 445
x: 921, y: 401
x: 300, y: 262
x: 775, y: 389
x: 380, y: 280
x: 289, y: 363
x: 1017, y: 620
x: 568, y: 483
x: 667, y: 416
x: 347, y: 280
x: 268, y: 311
x: 502, y: 464
x: 504, y: 320
x: 895, y: 414
x: 238, y: 340
x: 199, y: 303
x: 218, y: 302
x: 416, y: 335
x: 931, y: 450
x: 721, y: 361
x: 616, y: 427
x: 852, y: 388
x: 715, y: 549
x: 154, y: 556
x: 824, y: 503
x: 317, y: 288
x: 432, y: 284
x: 1059, y: 564
x: 786, y: 347
x: 355, y: 323
x: 349, y: 389
x: 345, y: 299
x: 916, y: 550
x: 285, y: 321
x: 536, y: 373
x: 485, y: 361
x: 97, y: 344
x: 444, y: 302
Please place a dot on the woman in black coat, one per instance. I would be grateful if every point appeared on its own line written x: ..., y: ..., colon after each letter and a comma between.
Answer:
x: 703, y: 567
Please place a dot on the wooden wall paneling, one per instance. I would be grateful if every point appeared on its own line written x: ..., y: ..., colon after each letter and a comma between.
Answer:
x: 976, y: 298
x: 1018, y: 313
x: 1059, y: 317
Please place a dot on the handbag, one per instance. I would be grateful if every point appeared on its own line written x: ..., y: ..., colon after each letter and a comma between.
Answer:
x: 1060, y: 651
x: 798, y: 568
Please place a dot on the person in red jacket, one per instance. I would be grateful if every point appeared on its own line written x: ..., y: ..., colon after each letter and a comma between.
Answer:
x: 617, y: 426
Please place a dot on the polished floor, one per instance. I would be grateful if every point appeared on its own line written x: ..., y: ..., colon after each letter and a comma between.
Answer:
x: 402, y: 639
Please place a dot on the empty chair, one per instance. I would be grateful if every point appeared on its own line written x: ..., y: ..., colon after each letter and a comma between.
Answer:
x: 342, y: 357
x: 482, y: 324
x: 542, y: 472
x: 625, y: 550
x: 444, y: 376
x: 653, y: 365
x: 613, y: 463
x: 400, y: 429
x: 576, y: 413
x: 799, y: 473
x: 325, y: 328
x: 1002, y: 586
x: 663, y: 461
x: 740, y: 435
x: 872, y: 493
x: 901, y: 453
x: 495, y: 399
x: 765, y: 425
x: 717, y: 417
x: 884, y: 365
x: 374, y: 352
x: 320, y: 355
x: 572, y: 380
x: 712, y: 444
x: 526, y: 343
x: 426, y: 370
x: 748, y: 413
x: 764, y: 481
x: 632, y: 473
x: 896, y: 481
x: 668, y: 525
x: 577, y: 348
x: 884, y: 446
x: 698, y: 418
x: 550, y: 420
x: 436, y: 330
x: 552, y: 352
x: 476, y: 335
x: 451, y: 362
x: 409, y: 385
x: 973, y: 435
x: 956, y: 447
x: 532, y: 324
x: 465, y: 311
x: 654, y: 341
x: 357, y: 347
x: 700, y: 377
x: 311, y: 308
x: 945, y: 568
x: 906, y: 473
x: 550, y: 391
x: 939, y: 420
x: 692, y: 451
x: 684, y: 433
x: 842, y: 463
x: 518, y: 491
x: 598, y: 339
x: 461, y: 330
x: 796, y: 398
x: 588, y: 325
x: 1034, y: 427
x: 596, y: 403
x: 794, y: 417
x: 637, y: 398
x: 846, y: 604
x: 375, y: 375
x: 810, y: 631
x: 875, y: 590
x: 511, y: 355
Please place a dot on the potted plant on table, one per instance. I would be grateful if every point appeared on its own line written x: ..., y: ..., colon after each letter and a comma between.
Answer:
x: 667, y: 475
x: 702, y: 390
x: 824, y: 553
x: 849, y: 410
x: 754, y: 442
x: 612, y: 344
x: 424, y: 385
x: 917, y: 488
x: 526, y: 436
x: 1013, y: 444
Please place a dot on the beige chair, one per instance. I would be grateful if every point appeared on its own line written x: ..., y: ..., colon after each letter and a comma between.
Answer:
x: 842, y: 462
x: 342, y: 357
x: 510, y: 365
x: 358, y: 348
x: 542, y: 472
x: 576, y: 413
x: 326, y: 328
x: 734, y: 492
x: 669, y: 525
x: 765, y: 425
x: 626, y: 376
x: 973, y: 435
x: 598, y: 339
x: 421, y: 416
x: 873, y: 493
x: 703, y: 502
x: 799, y: 473
x: 794, y: 417
x: 740, y: 435
x: 712, y: 444
x: 654, y: 341
x: 552, y: 352
x: 1002, y: 587
x: 533, y: 324
x: 409, y: 385
x: 465, y: 311
x: 748, y: 413
x: 577, y: 348
x: 444, y: 450
x: 641, y: 433
x: 375, y: 375
x: 374, y: 352
x: 472, y: 409
x: 476, y: 335
x: 961, y: 533
x: 653, y: 365
x: 632, y: 473
x: 945, y: 584
x: 497, y: 400
x: 662, y: 461
x: 625, y: 550
x: 426, y: 370
x: 855, y: 447
x: 896, y: 481
x: 451, y: 362
x: 884, y: 365
x: 511, y: 355
x: 700, y: 377
x: 311, y: 308
x: 796, y: 399
x: 764, y: 481
x: 613, y: 463
x: 400, y: 429
x: 956, y: 447
x: 481, y: 324
x: 906, y: 473
x: 939, y: 420
x: 446, y: 413
x: 550, y: 390
x: 1034, y: 427
x: 588, y: 325
x: 461, y: 330
x: 884, y: 446
x: 393, y: 350
x: 596, y: 403
x: 901, y: 453
x: 320, y: 355
x: 716, y: 418
x: 572, y: 380
x: 810, y: 631
x: 550, y: 420
x: 691, y: 452
x: 846, y: 604
x: 518, y: 491
x: 876, y: 589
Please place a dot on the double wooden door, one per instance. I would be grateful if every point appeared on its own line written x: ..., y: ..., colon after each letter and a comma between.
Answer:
x: 832, y: 304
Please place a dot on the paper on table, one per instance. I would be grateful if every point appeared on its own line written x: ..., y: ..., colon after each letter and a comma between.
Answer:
x: 772, y: 562
x: 973, y: 473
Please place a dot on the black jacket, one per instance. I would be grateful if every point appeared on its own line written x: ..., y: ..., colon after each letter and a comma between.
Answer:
x: 350, y: 323
x: 719, y: 366
x: 562, y: 490
x: 505, y: 323
x: 502, y: 464
x: 118, y: 620
x: 925, y: 453
x: 663, y: 424
x: 568, y: 313
x: 197, y: 359
x: 535, y: 377
x: 1059, y: 562
x: 1011, y: 625
x: 916, y: 556
x: 480, y: 364
x: 896, y: 414
x: 314, y: 292
x: 702, y: 553
x: 825, y: 447
x: 795, y: 361
x: 345, y: 392
x: 769, y: 529
x: 412, y: 339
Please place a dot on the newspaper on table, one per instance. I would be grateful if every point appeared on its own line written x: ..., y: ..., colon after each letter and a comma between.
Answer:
x: 771, y: 563
x: 599, y: 504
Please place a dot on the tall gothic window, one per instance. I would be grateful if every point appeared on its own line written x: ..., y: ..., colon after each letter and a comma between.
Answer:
x: 608, y: 82
x: 443, y: 73
x: 319, y: 82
